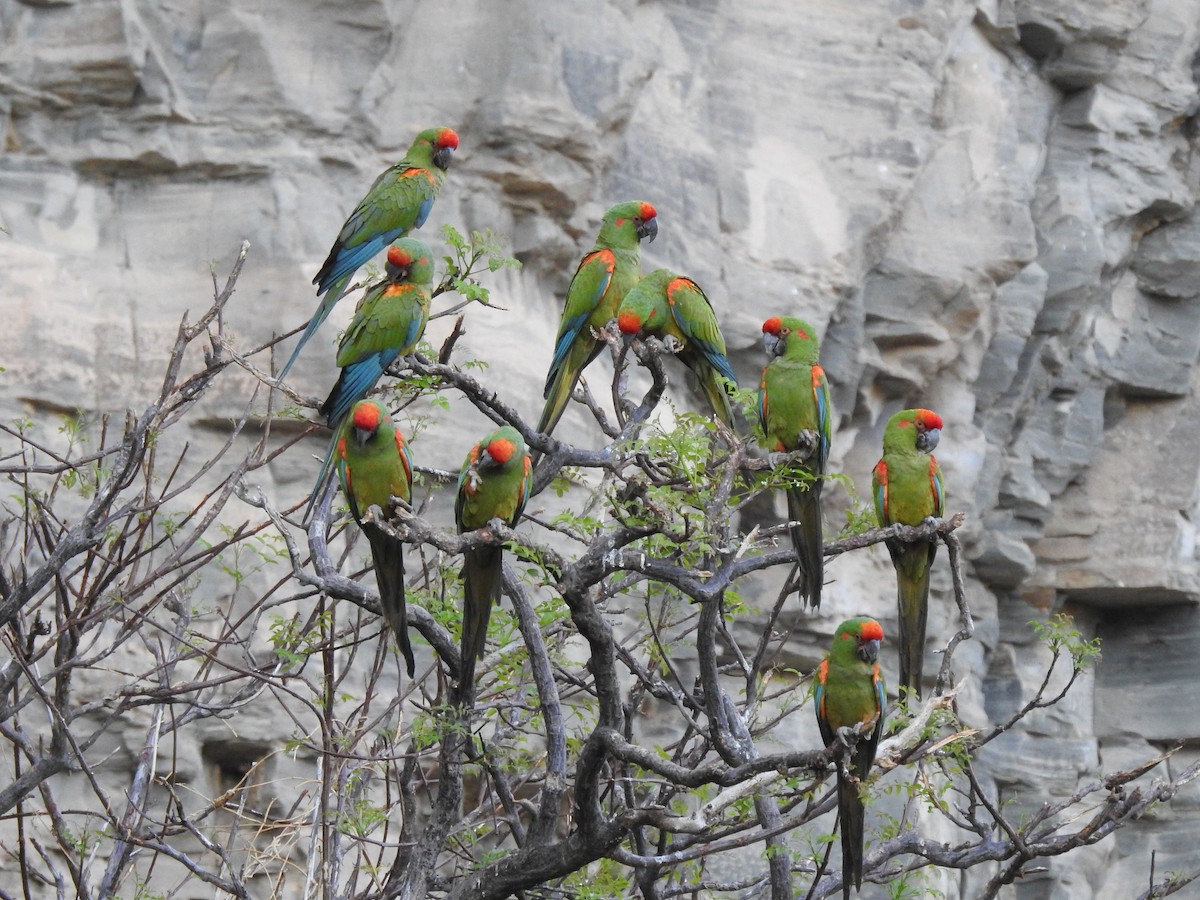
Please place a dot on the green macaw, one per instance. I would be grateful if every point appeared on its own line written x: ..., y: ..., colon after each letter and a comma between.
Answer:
x: 398, y: 202
x: 850, y: 693
x: 495, y: 483
x: 665, y: 304
x: 387, y: 324
x: 373, y: 466
x: 908, y: 489
x: 794, y: 409
x: 604, y: 275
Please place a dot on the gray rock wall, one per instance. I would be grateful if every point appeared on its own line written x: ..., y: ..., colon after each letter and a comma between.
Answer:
x: 985, y: 208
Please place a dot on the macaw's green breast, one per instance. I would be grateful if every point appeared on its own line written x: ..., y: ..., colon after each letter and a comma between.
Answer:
x: 627, y: 271
x: 911, y: 496
x: 850, y: 695
x: 376, y: 472
x: 498, y: 495
x: 791, y: 404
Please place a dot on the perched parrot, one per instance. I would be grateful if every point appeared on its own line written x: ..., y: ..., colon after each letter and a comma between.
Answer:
x: 398, y: 202
x: 850, y: 692
x: 908, y: 489
x: 388, y: 323
x: 793, y: 407
x: 373, y: 466
x: 495, y: 483
x: 663, y: 304
x: 595, y: 292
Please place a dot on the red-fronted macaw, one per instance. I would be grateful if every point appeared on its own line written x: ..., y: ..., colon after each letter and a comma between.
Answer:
x: 373, y: 466
x: 398, y: 202
x: 850, y: 693
x: 387, y: 324
x: 610, y: 269
x: 666, y: 304
x: 794, y: 409
x: 494, y: 484
x: 908, y: 489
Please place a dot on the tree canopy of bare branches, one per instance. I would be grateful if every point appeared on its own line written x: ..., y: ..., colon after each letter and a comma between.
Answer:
x: 147, y: 591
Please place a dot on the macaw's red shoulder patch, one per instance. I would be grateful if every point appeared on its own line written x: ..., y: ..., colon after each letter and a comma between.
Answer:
x: 418, y: 172
x: 501, y: 450
x: 822, y: 671
x: 679, y: 284
x: 872, y: 631
x: 367, y: 416
x: 818, y: 375
x: 603, y: 257
x: 341, y: 449
x: 773, y: 325
x: 629, y: 322
x: 880, y: 472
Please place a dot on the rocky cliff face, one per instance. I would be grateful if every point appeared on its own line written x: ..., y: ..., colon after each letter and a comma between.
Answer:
x: 985, y: 208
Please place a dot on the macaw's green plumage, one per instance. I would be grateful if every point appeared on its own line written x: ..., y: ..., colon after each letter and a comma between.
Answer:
x: 793, y: 407
x: 373, y: 466
x: 665, y: 304
x: 494, y: 484
x: 398, y: 202
x: 604, y: 275
x: 387, y: 324
x: 850, y: 693
x: 908, y: 489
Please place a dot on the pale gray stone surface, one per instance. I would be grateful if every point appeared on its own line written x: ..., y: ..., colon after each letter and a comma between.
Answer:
x: 984, y: 208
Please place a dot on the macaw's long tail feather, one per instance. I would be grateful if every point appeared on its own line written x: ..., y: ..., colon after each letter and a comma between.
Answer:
x: 850, y: 817
x: 327, y: 303
x: 913, y: 563
x: 319, y: 487
x: 717, y: 394
x: 804, y: 506
x: 353, y: 384
x: 481, y: 589
x: 388, y: 556
x: 561, y: 381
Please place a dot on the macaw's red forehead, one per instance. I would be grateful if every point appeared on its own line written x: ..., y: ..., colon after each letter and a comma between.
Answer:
x: 772, y: 325
x: 648, y: 211
x: 501, y: 449
x: 871, y: 631
x: 448, y: 137
x: 629, y: 322
x: 399, y: 257
x: 367, y: 415
x: 929, y: 419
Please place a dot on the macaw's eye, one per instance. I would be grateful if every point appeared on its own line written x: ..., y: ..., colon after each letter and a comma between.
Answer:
x: 785, y: 331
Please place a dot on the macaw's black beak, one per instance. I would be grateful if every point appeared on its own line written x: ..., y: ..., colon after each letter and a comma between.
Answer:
x: 362, y: 435
x: 442, y: 156
x: 648, y: 230
x: 773, y: 344
x: 927, y: 441
x: 868, y: 651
